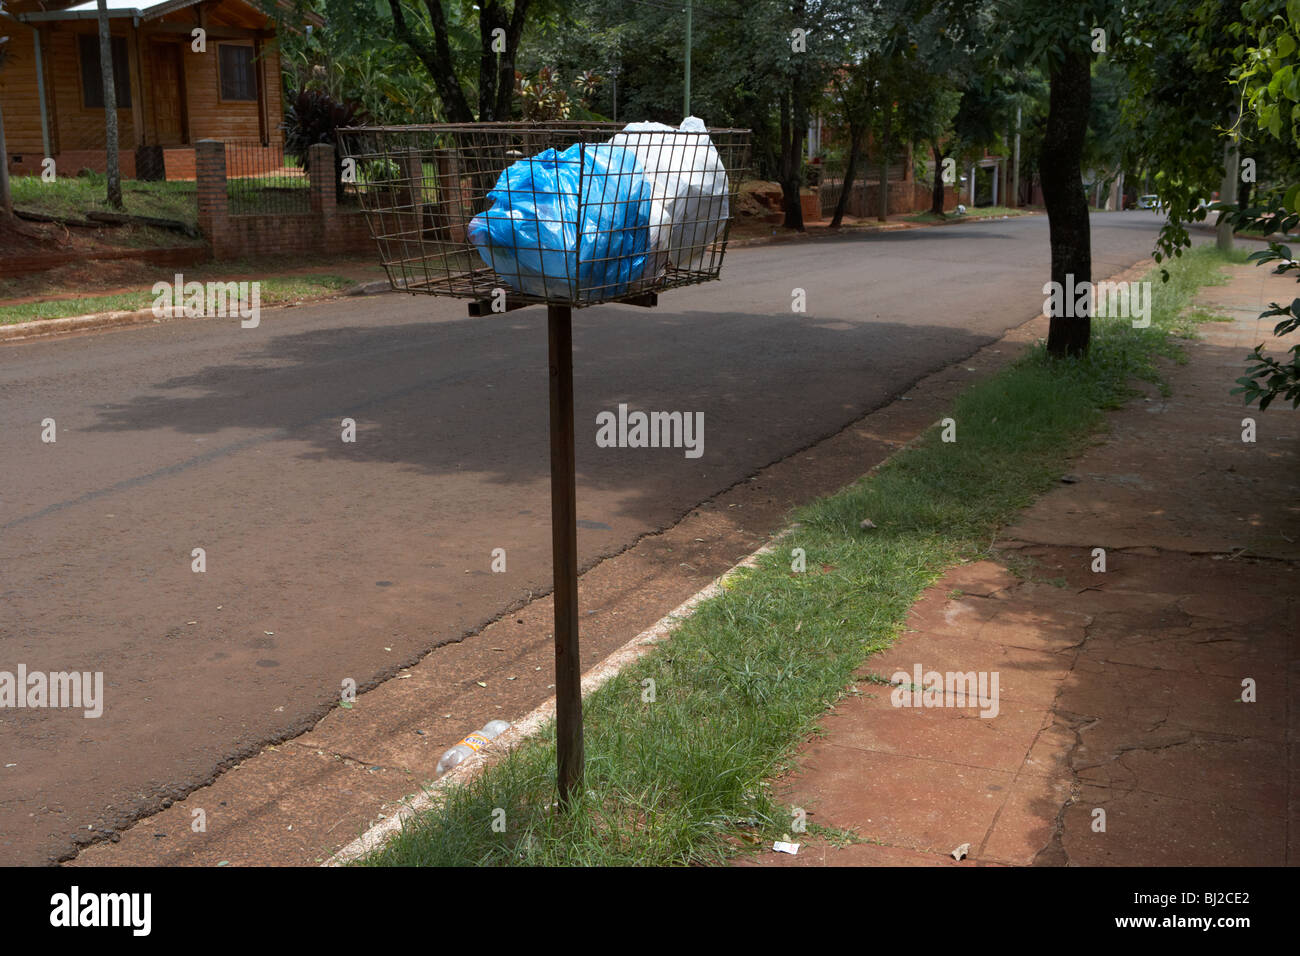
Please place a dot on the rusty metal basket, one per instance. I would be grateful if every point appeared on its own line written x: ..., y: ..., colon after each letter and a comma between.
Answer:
x: 563, y: 214
x: 462, y: 210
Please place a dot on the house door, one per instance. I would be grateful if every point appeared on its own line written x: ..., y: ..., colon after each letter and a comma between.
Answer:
x: 168, y: 93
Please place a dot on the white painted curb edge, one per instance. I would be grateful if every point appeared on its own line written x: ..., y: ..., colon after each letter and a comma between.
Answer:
x: 374, y: 838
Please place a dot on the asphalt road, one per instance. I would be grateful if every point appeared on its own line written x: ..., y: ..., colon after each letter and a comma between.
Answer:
x: 328, y: 560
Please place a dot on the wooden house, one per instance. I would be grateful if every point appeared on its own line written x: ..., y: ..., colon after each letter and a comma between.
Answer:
x: 184, y: 70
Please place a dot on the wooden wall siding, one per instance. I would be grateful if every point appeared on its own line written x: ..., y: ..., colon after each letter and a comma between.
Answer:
x: 75, y: 129
x: 210, y: 117
x: 80, y: 127
x: 18, y: 95
x: 69, y: 162
x: 274, y: 92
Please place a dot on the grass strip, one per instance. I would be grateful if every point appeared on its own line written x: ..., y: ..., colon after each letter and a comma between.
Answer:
x: 274, y: 291
x: 72, y: 196
x: 683, y: 779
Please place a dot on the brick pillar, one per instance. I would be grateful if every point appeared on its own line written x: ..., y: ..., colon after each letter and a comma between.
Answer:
x: 210, y: 176
x: 320, y: 158
x: 324, y: 201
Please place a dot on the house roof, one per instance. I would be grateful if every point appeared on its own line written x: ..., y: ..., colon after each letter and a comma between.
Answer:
x: 135, y: 9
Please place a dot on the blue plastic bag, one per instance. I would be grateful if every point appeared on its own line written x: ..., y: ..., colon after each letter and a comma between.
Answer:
x: 529, y: 235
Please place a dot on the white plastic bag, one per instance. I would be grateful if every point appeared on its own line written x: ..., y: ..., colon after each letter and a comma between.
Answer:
x: 689, y: 202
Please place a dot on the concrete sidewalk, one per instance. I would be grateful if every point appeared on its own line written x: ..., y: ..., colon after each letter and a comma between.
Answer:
x: 1121, y: 736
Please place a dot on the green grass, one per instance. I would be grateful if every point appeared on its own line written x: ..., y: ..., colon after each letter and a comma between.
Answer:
x: 274, y: 291
x: 74, y: 196
x: 685, y: 779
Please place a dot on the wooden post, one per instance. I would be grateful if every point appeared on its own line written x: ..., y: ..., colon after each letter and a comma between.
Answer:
x: 564, y: 552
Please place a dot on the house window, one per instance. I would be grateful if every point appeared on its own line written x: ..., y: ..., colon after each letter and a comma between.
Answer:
x: 92, y: 83
x: 238, y: 77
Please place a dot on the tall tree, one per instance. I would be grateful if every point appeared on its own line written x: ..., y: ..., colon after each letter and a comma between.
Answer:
x: 813, y: 45
x: 500, y: 31
x: 110, y: 108
x: 1063, y: 38
x: 1067, y: 204
x: 854, y: 103
x: 953, y: 97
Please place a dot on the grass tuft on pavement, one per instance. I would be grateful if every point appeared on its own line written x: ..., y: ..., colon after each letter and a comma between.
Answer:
x: 683, y: 779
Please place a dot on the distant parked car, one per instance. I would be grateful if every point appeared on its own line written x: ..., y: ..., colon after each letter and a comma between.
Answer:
x: 1149, y: 202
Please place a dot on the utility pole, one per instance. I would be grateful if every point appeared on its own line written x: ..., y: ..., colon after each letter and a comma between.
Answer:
x: 1228, y: 192
x: 686, y: 109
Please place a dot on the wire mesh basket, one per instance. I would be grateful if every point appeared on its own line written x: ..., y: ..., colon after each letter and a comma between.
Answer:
x: 558, y: 213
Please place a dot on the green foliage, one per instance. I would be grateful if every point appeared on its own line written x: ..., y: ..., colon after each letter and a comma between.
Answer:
x: 1269, y: 68
x: 1268, y: 76
x: 1269, y: 378
x: 1178, y: 58
x: 354, y: 61
x: 312, y: 118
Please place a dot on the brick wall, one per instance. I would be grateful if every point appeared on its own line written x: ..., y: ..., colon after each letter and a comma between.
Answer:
x: 325, y: 231
x: 179, y: 163
x: 904, y: 197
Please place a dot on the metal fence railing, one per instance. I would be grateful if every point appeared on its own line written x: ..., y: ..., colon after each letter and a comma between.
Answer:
x: 262, y: 179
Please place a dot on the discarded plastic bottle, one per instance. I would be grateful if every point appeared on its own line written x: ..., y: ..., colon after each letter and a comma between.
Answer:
x: 472, y: 744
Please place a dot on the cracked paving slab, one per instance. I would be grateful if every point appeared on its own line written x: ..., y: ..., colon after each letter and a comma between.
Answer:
x: 1126, y: 733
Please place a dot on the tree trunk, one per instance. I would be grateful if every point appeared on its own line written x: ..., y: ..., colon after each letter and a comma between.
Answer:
x: 490, y: 18
x: 6, y: 202
x: 110, y: 109
x: 1067, y: 205
x: 437, y: 59
x: 850, y: 169
x: 791, y: 142
x: 937, y: 197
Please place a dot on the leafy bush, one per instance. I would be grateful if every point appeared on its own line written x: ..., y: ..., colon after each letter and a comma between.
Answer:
x: 1269, y: 77
x: 1270, y: 378
x: 313, y: 117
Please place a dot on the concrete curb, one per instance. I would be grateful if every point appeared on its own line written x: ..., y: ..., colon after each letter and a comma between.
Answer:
x: 374, y: 838
x: 43, y: 328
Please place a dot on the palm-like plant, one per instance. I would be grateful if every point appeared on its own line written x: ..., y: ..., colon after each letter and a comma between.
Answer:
x: 313, y: 117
